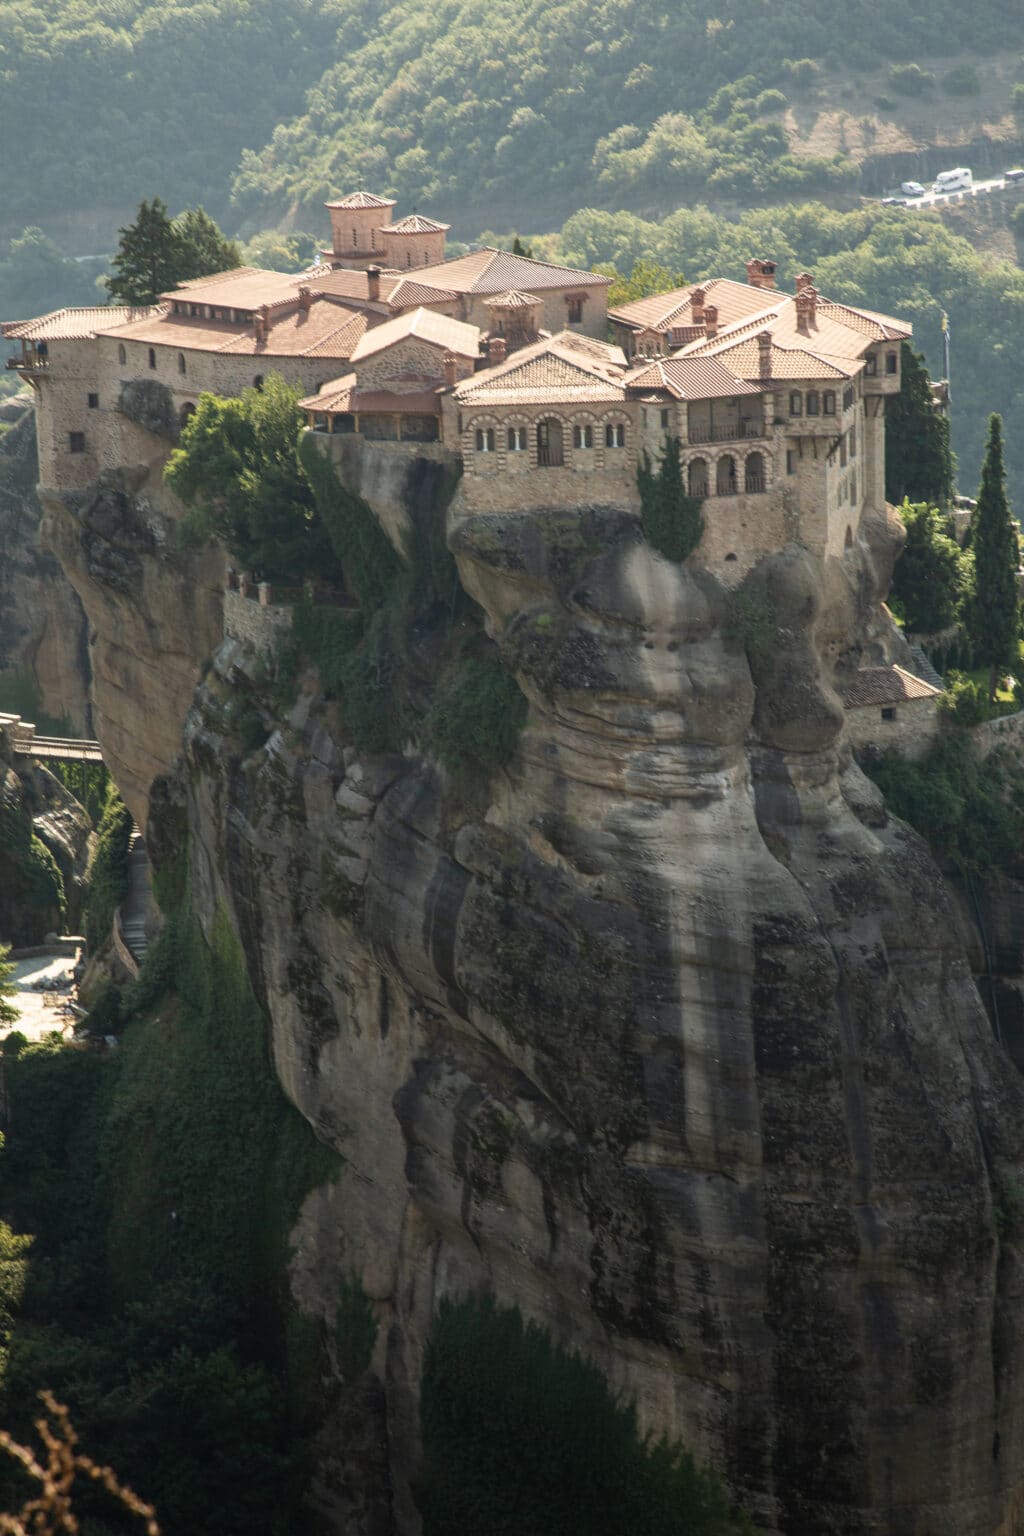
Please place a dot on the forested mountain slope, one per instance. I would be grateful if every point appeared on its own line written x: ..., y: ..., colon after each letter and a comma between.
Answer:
x: 470, y: 104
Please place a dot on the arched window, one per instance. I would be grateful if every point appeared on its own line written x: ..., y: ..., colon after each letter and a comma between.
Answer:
x: 152, y: 357
x: 257, y: 382
x: 181, y: 362
x: 796, y: 403
x: 725, y: 476
x: 697, y: 477
x: 516, y: 441
x: 583, y: 437
x: 828, y: 403
x: 485, y: 439
x: 187, y: 410
x: 549, y: 442
x: 615, y: 434
x: 122, y: 355
x: 813, y: 408
x: 848, y: 541
x: 753, y: 473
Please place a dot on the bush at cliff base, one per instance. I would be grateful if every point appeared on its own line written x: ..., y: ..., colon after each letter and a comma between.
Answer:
x: 160, y: 1183
x: 108, y: 869
x: 520, y: 1436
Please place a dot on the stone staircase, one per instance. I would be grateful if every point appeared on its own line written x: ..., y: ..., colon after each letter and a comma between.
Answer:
x: 136, y: 905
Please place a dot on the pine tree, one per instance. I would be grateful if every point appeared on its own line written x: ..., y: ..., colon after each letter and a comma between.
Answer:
x: 993, y: 615
x: 8, y: 1012
x: 148, y: 257
x: 918, y: 459
x: 202, y: 248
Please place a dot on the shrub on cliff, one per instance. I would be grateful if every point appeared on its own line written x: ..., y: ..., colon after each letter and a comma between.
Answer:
x: 672, y: 519
x: 31, y: 887
x: 237, y: 469
x: 521, y: 1436
x: 930, y: 576
x: 8, y: 1012
x: 108, y: 869
x: 475, y: 716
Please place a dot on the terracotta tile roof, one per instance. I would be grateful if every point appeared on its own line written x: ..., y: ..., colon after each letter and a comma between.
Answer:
x: 415, y: 224
x: 324, y: 330
x: 362, y: 200
x: 662, y: 311
x: 494, y: 271
x: 420, y: 397
x: 426, y: 325
x: 74, y: 324
x: 692, y: 378
x: 410, y: 292
x: 605, y: 354
x: 885, y: 685
x: 513, y: 298
x: 243, y: 288
x: 552, y: 370
x: 878, y: 327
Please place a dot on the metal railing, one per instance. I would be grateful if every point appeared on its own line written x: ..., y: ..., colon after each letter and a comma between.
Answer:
x: 755, y: 482
x: 729, y: 432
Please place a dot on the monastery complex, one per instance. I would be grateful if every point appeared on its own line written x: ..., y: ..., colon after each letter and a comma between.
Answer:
x: 512, y: 367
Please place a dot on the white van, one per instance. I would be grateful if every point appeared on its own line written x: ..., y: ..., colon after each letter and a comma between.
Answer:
x: 959, y: 180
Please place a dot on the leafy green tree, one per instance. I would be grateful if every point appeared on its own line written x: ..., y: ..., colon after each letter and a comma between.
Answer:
x: 201, y: 247
x: 646, y: 278
x: 993, y: 613
x: 928, y: 580
x: 237, y: 469
x: 8, y: 1012
x: 918, y: 459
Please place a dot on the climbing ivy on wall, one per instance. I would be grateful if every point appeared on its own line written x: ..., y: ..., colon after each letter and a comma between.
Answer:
x: 521, y: 1436
x: 108, y: 869
x: 31, y: 886
x: 672, y: 519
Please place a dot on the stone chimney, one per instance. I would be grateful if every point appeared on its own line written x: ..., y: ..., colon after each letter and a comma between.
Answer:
x: 261, y: 323
x: 804, y: 280
x: 764, y: 354
x: 806, y: 307
x: 697, y: 298
x: 451, y: 370
x: 373, y: 284
x: 496, y: 349
x: 711, y: 321
x: 760, y: 273
x: 305, y: 298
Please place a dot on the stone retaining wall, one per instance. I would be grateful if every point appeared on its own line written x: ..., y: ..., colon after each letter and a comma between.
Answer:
x: 254, y: 623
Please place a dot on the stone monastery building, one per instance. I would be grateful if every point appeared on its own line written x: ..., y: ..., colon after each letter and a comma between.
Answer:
x: 505, y: 364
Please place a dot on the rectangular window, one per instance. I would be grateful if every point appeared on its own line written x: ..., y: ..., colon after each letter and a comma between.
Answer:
x: 615, y: 435
x: 842, y: 453
x: 583, y: 437
x: 517, y: 439
x: 828, y: 403
x: 76, y: 442
x: 853, y: 442
x: 485, y: 439
x: 871, y: 365
x: 94, y: 402
x: 796, y: 403
x: 575, y: 307
x: 790, y: 462
x: 664, y: 420
x: 889, y: 712
x: 853, y: 489
x: 892, y: 362
x: 812, y: 402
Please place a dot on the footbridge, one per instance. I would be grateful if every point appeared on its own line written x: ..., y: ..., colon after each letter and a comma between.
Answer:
x: 25, y: 742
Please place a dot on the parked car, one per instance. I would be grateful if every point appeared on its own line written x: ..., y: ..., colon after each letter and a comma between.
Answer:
x: 911, y: 189
x: 959, y: 180
x: 893, y: 202
x: 1013, y: 175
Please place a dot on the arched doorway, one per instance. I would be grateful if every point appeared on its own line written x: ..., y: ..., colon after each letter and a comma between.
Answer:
x: 697, y: 477
x: 725, y: 476
x: 753, y: 472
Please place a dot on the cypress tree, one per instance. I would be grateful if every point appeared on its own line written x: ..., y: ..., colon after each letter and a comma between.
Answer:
x: 8, y: 1012
x: 918, y: 458
x: 147, y: 259
x: 993, y: 615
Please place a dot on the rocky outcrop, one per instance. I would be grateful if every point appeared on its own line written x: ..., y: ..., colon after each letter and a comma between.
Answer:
x: 664, y: 1035
x: 44, y: 852
x: 43, y: 632
x: 155, y: 614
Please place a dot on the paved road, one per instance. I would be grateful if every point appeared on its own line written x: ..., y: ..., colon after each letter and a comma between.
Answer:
x: 980, y: 188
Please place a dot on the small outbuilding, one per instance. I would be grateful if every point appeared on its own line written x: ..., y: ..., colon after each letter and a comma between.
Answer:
x: 891, y: 709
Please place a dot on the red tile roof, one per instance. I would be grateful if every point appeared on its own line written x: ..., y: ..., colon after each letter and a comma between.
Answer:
x: 415, y: 224
x: 494, y: 271
x: 692, y: 378
x: 885, y: 685
x: 242, y: 288
x: 426, y: 325
x: 556, y: 368
x: 420, y: 397
x: 362, y: 200
x: 324, y: 330
x: 75, y: 324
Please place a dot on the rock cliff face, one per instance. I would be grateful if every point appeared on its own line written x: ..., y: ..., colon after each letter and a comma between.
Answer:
x: 43, y: 634
x: 665, y: 1034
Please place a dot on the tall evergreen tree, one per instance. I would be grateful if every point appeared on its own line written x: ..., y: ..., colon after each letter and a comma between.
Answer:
x: 8, y: 1012
x: 928, y: 578
x: 993, y: 615
x: 918, y: 459
x: 147, y: 260
x: 156, y: 253
x: 202, y: 248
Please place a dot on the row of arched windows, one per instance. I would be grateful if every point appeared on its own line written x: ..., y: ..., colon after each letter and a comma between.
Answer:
x: 727, y: 479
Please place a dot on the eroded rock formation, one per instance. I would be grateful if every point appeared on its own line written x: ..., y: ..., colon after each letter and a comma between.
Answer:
x: 665, y: 1034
